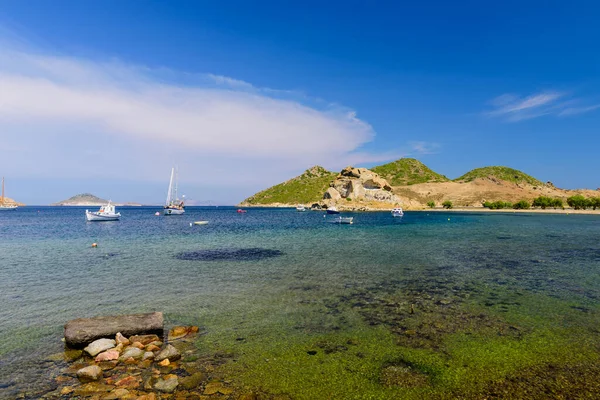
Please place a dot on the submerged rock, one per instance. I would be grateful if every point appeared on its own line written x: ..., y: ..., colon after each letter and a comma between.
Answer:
x: 168, y: 384
x: 144, y: 339
x: 170, y: 353
x: 91, y: 373
x: 131, y: 352
x: 108, y: 356
x: 247, y: 254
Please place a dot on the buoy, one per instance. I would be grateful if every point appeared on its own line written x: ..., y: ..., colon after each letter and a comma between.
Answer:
x: 190, y: 224
x: 448, y: 219
x: 157, y: 213
x: 94, y: 244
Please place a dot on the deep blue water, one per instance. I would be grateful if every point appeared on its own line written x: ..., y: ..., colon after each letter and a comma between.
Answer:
x: 50, y: 274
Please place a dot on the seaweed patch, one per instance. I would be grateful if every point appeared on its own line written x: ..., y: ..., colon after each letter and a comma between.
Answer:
x: 247, y: 254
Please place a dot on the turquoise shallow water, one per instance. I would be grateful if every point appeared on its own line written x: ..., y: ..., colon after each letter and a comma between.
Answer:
x: 49, y: 273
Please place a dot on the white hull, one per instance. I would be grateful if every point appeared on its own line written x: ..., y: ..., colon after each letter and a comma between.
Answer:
x: 8, y: 208
x: 344, y: 220
x: 95, y: 216
x: 397, y: 212
x: 173, y: 211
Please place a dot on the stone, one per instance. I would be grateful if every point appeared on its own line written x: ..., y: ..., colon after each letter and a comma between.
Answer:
x: 66, y: 390
x: 91, y: 373
x: 72, y: 354
x: 148, y: 355
x: 212, y: 387
x: 92, y: 389
x: 192, y: 381
x: 98, y: 346
x: 144, y: 339
x: 82, y: 331
x: 332, y: 194
x: 138, y: 345
x: 167, y: 384
x: 108, y: 355
x: 129, y: 382
x: 116, y: 394
x: 164, y: 362
x: 169, y: 352
x: 107, y: 365
x: 152, y: 347
x: 149, y: 396
x: 130, y: 361
x: 132, y: 352
x: 120, y: 339
x: 177, y: 332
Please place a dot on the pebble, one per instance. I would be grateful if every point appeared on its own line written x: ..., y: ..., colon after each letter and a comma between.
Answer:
x: 100, y: 345
x: 91, y: 373
x: 169, y: 352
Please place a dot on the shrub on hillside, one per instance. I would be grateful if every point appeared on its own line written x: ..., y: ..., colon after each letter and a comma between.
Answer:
x: 578, y: 202
x: 447, y: 204
x: 430, y: 204
x: 521, y: 205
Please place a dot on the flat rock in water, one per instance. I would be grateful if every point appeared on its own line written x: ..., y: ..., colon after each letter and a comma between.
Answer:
x: 80, y: 332
x: 144, y: 339
x: 169, y: 352
x: 98, y: 346
x: 168, y: 384
x: 131, y: 352
x: 91, y: 373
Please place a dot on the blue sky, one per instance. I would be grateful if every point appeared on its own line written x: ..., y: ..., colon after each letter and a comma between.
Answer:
x: 104, y: 96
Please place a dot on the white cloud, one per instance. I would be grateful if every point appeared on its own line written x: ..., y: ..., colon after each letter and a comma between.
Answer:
x: 81, y: 119
x: 514, y: 108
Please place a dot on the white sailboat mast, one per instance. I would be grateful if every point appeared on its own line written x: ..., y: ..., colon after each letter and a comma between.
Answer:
x: 176, y: 179
x: 170, y: 192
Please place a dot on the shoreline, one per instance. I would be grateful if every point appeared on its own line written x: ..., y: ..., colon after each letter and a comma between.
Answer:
x: 437, y: 209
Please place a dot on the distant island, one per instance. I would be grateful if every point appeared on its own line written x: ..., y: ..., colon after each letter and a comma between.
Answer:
x: 410, y: 184
x: 88, y: 199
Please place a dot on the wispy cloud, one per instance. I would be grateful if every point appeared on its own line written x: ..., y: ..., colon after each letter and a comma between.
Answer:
x: 82, y: 118
x: 514, y: 108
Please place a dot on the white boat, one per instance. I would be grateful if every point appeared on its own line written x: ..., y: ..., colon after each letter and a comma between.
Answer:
x: 300, y: 208
x: 397, y: 212
x: 343, y: 220
x: 173, y: 206
x: 4, y: 206
x: 106, y: 213
x: 332, y: 210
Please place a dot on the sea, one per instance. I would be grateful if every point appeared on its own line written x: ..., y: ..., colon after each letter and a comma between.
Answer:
x: 291, y: 305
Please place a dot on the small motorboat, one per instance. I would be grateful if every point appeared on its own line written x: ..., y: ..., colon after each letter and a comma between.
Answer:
x: 332, y: 210
x: 300, y: 208
x: 106, y: 213
x: 343, y: 220
x: 397, y: 212
x: 240, y: 211
x: 200, y: 222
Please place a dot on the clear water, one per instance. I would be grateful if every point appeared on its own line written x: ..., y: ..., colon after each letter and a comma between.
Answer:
x: 50, y: 274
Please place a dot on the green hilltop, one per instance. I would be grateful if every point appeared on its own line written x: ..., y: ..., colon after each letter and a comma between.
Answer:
x: 408, y: 171
x: 499, y: 172
x: 306, y: 188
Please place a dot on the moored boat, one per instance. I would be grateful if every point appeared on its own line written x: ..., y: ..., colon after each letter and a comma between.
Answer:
x: 106, y: 213
x: 397, y: 212
x: 332, y: 210
x: 300, y: 208
x: 173, y: 205
x: 343, y: 220
x: 3, y: 205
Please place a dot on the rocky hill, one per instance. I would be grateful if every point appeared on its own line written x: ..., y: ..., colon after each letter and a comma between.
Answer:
x: 307, y: 188
x: 410, y: 184
x: 88, y: 199
x: 499, y: 173
x: 408, y: 171
x: 8, y: 201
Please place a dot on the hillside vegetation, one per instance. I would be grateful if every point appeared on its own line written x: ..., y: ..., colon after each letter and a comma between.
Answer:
x: 408, y: 171
x: 306, y: 188
x: 502, y: 173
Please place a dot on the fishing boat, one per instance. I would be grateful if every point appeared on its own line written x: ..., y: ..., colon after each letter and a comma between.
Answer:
x: 106, y: 213
x: 343, y: 220
x: 300, y: 208
x: 3, y: 205
x: 332, y: 210
x: 397, y: 212
x: 173, y: 205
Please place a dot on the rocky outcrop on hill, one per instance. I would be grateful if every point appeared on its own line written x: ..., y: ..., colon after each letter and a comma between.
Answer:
x: 358, y: 185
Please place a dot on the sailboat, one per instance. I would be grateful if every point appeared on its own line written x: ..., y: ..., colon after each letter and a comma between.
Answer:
x: 173, y: 206
x: 4, y: 206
